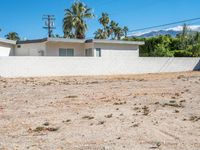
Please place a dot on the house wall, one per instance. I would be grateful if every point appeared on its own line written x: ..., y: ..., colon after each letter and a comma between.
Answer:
x: 52, y: 48
x: 117, y: 50
x: 31, y: 49
x: 6, y: 49
x: 89, y: 45
x: 80, y: 66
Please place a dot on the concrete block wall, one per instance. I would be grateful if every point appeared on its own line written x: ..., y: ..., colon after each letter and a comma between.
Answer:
x: 81, y: 66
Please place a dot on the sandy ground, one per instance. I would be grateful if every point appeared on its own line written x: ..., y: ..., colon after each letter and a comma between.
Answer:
x: 138, y: 112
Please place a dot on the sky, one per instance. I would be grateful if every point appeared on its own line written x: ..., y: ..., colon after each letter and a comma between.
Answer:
x: 25, y: 16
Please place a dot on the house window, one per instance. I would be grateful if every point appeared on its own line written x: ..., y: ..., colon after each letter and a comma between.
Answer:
x: 62, y: 52
x: 18, y: 46
x: 66, y: 52
x: 98, y: 52
x: 70, y: 52
x: 88, y: 52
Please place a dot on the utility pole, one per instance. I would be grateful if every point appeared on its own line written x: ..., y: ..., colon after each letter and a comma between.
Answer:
x: 49, y: 23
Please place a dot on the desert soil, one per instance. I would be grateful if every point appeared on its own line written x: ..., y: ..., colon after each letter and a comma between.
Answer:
x: 134, y: 112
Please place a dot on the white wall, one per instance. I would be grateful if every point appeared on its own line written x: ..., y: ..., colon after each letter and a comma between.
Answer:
x: 30, y: 49
x: 76, y: 66
x: 118, y: 50
x: 52, y: 48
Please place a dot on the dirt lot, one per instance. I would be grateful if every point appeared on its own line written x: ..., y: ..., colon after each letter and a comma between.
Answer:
x: 139, y: 112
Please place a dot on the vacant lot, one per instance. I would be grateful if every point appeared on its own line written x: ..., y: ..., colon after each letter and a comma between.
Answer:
x: 140, y: 112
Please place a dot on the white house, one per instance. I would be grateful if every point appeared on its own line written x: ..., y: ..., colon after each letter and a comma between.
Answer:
x: 70, y: 48
x: 7, y: 47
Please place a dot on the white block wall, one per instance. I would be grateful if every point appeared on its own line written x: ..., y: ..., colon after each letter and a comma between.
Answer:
x: 78, y: 66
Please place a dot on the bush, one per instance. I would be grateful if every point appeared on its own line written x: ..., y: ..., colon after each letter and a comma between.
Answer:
x: 195, y: 50
x: 167, y: 46
x: 182, y: 53
x: 162, y: 51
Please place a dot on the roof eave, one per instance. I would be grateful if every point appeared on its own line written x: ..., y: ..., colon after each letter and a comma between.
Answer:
x: 12, y: 42
x: 65, y: 40
x: 119, y: 42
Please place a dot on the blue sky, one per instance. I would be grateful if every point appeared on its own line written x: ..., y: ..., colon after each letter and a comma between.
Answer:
x: 25, y: 16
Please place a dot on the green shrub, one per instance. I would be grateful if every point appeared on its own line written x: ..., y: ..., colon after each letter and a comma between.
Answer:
x: 195, y: 50
x: 182, y: 53
x: 162, y: 51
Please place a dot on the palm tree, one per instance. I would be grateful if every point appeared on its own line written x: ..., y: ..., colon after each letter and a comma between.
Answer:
x: 125, y: 30
x: 119, y: 33
x: 100, y: 34
x: 74, y: 22
x: 12, y: 36
x: 104, y: 20
x: 113, y: 27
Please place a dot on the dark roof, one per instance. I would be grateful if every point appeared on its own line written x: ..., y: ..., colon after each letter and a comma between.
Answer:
x: 32, y: 41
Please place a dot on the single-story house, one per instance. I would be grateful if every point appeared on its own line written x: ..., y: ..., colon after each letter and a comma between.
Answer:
x: 7, y: 47
x: 70, y: 48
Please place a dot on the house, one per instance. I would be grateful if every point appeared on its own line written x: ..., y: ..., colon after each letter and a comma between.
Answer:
x: 70, y: 48
x: 7, y: 47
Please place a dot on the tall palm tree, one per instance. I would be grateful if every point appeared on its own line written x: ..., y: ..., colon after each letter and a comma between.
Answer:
x: 104, y: 20
x: 113, y: 28
x: 125, y: 30
x: 74, y: 22
x: 119, y: 33
x: 12, y: 36
x: 100, y: 34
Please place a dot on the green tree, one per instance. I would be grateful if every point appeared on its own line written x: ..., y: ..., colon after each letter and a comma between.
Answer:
x: 196, y: 38
x: 74, y: 22
x: 184, y: 37
x: 185, y: 44
x: 105, y: 32
x: 100, y: 34
x: 104, y: 20
x: 162, y: 51
x: 113, y: 27
x: 195, y: 50
x: 119, y: 33
x: 12, y: 36
x: 125, y: 30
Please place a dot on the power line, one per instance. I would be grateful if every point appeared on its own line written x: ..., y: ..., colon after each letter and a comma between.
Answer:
x: 49, y: 23
x: 163, y: 25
